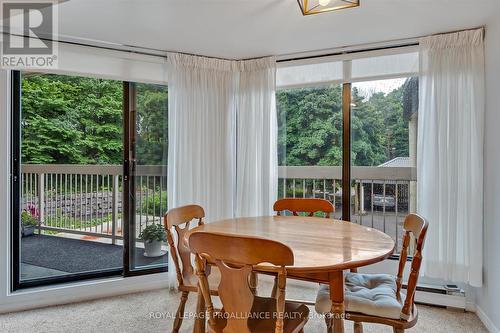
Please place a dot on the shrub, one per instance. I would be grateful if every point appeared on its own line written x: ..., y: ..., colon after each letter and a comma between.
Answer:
x: 28, y: 220
x: 151, y: 205
x: 153, y: 232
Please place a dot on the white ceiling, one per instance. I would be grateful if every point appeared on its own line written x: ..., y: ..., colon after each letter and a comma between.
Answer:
x: 251, y: 28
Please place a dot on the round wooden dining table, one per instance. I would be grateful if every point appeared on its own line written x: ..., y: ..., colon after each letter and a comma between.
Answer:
x: 322, y: 248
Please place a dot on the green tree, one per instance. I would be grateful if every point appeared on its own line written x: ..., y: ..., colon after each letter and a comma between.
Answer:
x: 310, y: 121
x: 152, y: 129
x: 48, y: 135
x: 310, y: 126
x: 367, y: 131
x: 99, y: 120
x: 71, y: 120
x: 79, y: 120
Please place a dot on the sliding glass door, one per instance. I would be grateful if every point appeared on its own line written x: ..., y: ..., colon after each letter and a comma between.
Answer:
x: 88, y: 178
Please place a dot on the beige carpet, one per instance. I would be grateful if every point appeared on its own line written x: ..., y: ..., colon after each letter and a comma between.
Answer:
x: 137, y: 312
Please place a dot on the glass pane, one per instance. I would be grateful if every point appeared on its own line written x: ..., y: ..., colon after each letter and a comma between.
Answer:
x: 383, y: 142
x: 150, y: 177
x: 71, y: 155
x: 310, y: 143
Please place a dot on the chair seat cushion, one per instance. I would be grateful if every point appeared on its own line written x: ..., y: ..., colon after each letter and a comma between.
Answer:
x: 370, y: 294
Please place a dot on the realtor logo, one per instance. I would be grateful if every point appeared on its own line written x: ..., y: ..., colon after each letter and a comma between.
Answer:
x: 29, y: 34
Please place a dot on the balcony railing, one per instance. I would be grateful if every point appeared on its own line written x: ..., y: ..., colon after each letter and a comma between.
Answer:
x: 380, y: 196
x: 87, y: 199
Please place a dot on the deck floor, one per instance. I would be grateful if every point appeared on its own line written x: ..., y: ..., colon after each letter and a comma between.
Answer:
x: 46, y: 256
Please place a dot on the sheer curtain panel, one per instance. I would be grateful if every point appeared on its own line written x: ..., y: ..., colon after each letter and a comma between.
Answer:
x: 257, y: 153
x: 222, y: 151
x: 450, y: 154
x: 201, y: 128
x: 202, y: 109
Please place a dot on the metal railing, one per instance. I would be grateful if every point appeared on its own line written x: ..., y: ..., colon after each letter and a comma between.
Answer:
x: 87, y: 199
x: 381, y: 197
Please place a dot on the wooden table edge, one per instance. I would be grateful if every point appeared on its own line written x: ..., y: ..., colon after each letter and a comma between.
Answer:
x: 315, y: 269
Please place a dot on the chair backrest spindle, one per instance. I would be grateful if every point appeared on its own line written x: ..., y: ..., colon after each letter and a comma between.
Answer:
x: 414, y: 226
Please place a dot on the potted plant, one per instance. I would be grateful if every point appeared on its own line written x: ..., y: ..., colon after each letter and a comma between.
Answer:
x: 28, y: 224
x: 153, y: 236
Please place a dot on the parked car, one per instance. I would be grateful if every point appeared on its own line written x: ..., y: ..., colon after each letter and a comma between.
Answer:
x: 379, y: 201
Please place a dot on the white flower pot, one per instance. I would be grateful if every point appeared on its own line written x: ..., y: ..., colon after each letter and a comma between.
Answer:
x: 153, y: 248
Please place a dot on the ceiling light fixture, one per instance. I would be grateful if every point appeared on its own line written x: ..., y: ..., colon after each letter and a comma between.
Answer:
x: 309, y: 7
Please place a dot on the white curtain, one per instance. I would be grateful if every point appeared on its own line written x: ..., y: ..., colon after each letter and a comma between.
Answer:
x: 450, y: 154
x: 222, y: 151
x: 257, y: 156
x: 201, y: 127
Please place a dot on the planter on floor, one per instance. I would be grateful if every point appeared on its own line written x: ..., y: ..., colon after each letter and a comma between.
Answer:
x: 153, y: 236
x: 153, y: 248
x: 28, y: 230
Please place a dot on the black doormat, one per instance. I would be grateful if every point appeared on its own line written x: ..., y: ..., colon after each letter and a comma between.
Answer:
x: 77, y: 256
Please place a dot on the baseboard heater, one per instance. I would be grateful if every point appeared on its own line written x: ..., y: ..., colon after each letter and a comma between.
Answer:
x: 440, y: 296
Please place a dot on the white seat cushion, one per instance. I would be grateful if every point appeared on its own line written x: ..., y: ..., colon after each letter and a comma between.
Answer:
x: 370, y: 294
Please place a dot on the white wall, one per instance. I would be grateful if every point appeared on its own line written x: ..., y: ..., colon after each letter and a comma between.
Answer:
x: 488, y: 297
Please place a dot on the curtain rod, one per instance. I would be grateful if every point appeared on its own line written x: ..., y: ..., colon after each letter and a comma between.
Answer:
x: 321, y: 55
x: 391, y: 44
x: 103, y: 46
x: 283, y: 58
x: 384, y: 45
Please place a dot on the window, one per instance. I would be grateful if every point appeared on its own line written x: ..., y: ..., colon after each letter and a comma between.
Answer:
x: 383, y: 152
x: 310, y: 143
x: 382, y: 109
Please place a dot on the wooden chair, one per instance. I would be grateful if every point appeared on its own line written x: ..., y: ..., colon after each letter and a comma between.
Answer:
x: 179, y: 220
x: 304, y: 205
x: 376, y: 298
x: 243, y: 312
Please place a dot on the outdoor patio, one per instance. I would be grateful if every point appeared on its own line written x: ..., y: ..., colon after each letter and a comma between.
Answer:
x: 47, y: 256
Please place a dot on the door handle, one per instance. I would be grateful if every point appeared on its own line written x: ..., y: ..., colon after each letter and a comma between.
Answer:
x: 126, y: 170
